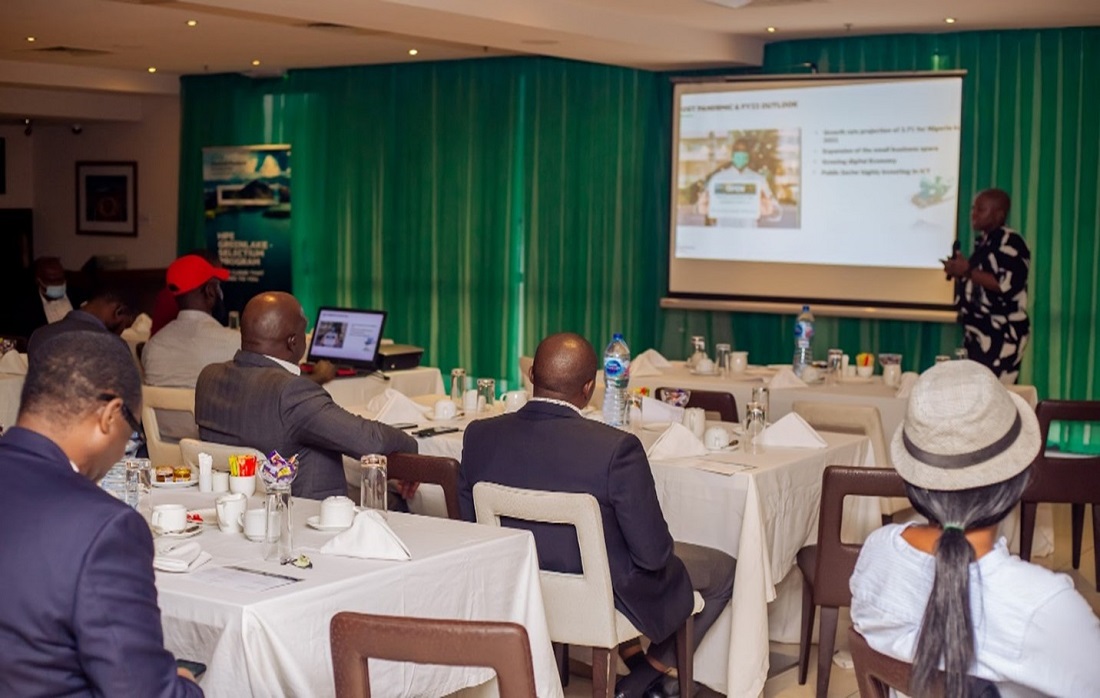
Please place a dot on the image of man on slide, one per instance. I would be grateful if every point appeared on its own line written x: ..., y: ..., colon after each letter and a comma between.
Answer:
x: 738, y: 196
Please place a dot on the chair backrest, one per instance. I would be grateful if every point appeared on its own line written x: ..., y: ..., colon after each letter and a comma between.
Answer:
x: 436, y: 470
x: 836, y: 560
x: 191, y: 448
x: 357, y: 637
x: 580, y: 608
x: 723, y: 403
x: 848, y: 419
x: 1064, y: 479
x: 162, y: 452
x: 877, y: 673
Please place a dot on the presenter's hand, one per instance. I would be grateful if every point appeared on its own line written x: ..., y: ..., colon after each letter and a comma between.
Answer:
x: 956, y: 267
x: 323, y: 372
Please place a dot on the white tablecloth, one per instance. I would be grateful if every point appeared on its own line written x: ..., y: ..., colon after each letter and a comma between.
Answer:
x: 276, y: 643
x: 761, y: 515
x: 357, y: 391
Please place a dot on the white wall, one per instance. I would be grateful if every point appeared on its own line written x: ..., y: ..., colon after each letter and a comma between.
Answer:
x: 153, y: 142
x: 20, y: 168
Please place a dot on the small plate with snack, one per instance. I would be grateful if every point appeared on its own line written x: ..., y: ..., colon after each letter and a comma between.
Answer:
x: 168, y: 477
x: 206, y: 517
x: 189, y: 531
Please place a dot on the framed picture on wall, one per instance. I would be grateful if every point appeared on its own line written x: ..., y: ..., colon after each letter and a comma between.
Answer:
x: 106, y: 198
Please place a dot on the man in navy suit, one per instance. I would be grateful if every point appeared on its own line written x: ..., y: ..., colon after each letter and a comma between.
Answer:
x: 548, y: 445
x: 78, y: 607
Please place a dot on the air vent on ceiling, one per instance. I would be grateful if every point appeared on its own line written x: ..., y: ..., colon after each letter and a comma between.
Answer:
x: 739, y: 4
x: 74, y: 51
x: 334, y: 28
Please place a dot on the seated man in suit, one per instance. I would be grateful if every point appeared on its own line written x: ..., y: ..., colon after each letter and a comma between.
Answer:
x: 78, y: 610
x: 548, y: 445
x: 39, y: 298
x: 261, y: 400
x: 106, y: 311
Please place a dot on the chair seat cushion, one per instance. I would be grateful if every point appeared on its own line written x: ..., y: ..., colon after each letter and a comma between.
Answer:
x: 807, y: 562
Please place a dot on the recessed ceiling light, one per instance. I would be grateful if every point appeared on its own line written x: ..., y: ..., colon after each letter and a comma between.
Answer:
x: 949, y: 20
x: 192, y: 23
x: 413, y: 52
x: 771, y: 30
x: 152, y: 69
x: 30, y: 38
x: 256, y: 61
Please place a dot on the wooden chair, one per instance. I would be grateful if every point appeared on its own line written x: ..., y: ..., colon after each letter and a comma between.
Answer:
x: 162, y: 451
x: 357, y: 637
x: 1063, y: 478
x: 855, y: 419
x: 435, y: 470
x: 723, y: 403
x: 877, y: 673
x: 827, y: 566
x: 580, y: 608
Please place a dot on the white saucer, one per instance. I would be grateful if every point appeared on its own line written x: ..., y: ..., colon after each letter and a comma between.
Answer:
x: 174, y: 485
x: 732, y: 446
x: 432, y: 418
x: 209, y: 516
x: 189, y: 531
x: 314, y: 522
x: 704, y: 373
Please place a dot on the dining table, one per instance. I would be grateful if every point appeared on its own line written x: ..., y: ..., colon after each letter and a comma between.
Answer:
x: 761, y: 508
x: 262, y: 628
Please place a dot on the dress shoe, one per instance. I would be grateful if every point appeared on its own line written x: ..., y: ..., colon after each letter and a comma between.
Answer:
x: 670, y: 688
x: 639, y: 683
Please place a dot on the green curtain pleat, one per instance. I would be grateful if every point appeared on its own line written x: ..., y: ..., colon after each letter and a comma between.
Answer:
x: 488, y: 203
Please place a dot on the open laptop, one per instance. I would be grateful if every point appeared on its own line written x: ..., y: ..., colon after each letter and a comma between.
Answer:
x: 349, y: 338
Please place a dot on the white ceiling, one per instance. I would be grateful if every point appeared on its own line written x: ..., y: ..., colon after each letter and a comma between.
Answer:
x: 655, y: 34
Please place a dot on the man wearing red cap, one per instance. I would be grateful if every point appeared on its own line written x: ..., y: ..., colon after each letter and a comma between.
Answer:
x: 176, y: 354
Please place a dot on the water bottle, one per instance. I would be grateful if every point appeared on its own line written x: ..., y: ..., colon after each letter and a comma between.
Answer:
x: 803, y: 340
x: 616, y: 377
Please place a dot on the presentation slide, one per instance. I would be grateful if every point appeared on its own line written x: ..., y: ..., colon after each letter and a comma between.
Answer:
x: 842, y: 173
x: 347, y: 335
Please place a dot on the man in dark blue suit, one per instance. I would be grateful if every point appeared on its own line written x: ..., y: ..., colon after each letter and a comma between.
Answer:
x: 78, y: 607
x: 548, y: 445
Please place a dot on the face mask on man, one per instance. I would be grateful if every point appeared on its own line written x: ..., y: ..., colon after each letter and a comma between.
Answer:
x: 55, y: 293
x: 740, y: 159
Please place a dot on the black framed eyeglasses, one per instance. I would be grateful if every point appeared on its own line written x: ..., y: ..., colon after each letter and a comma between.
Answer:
x: 126, y: 413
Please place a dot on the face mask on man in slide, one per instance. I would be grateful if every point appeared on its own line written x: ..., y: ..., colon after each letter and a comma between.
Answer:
x: 740, y: 159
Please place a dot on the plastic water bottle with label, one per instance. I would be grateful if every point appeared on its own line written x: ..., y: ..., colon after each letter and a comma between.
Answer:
x: 803, y: 340
x: 616, y: 377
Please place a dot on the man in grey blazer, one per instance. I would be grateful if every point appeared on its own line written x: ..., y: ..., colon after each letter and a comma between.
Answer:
x: 261, y: 400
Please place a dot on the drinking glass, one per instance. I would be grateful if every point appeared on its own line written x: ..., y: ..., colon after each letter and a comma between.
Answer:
x: 754, y: 427
x: 372, y: 488
x: 458, y: 384
x: 833, y: 366
x: 486, y: 394
x: 722, y: 357
x: 698, y: 350
x: 138, y: 477
x: 762, y: 397
x: 941, y: 358
x: 961, y: 353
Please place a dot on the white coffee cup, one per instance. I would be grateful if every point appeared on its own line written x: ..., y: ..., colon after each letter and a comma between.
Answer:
x: 695, y: 418
x: 254, y: 523
x: 446, y: 409
x: 716, y: 438
x: 243, y: 485
x: 470, y: 401
x: 705, y: 366
x: 169, y: 518
x: 865, y: 371
x: 229, y: 508
x: 337, y: 511
x: 514, y: 399
x: 739, y: 361
x: 220, y: 481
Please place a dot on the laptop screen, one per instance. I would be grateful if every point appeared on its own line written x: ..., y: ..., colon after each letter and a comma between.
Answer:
x: 346, y: 336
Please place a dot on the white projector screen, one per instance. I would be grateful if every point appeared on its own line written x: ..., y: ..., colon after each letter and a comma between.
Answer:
x: 830, y: 190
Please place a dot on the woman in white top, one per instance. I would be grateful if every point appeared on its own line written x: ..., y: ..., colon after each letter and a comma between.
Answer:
x: 948, y: 595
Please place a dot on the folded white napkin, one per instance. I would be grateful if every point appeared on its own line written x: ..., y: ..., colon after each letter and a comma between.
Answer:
x: 676, y: 442
x: 180, y: 557
x: 13, y: 362
x: 791, y: 432
x: 908, y: 380
x: 660, y: 411
x: 642, y: 365
x: 369, y: 537
x: 142, y: 324
x: 785, y: 378
x: 655, y: 358
x: 391, y: 407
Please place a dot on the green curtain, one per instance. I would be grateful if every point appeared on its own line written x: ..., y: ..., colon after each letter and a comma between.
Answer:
x: 1030, y: 126
x: 487, y: 203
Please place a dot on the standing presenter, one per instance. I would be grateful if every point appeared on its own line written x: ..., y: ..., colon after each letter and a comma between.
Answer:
x: 991, y: 288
